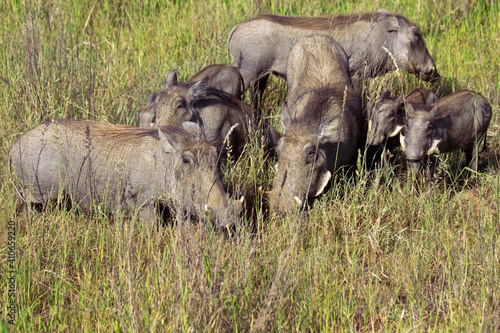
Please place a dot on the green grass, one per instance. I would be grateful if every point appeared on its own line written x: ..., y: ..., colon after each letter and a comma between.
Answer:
x: 397, y: 256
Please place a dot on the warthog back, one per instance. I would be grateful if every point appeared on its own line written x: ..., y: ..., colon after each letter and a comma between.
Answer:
x: 262, y: 45
x: 223, y: 77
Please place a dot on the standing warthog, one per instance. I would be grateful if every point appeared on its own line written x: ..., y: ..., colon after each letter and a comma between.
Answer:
x: 221, y: 116
x: 123, y: 167
x: 223, y: 77
x: 321, y: 122
x: 458, y: 121
x: 261, y: 46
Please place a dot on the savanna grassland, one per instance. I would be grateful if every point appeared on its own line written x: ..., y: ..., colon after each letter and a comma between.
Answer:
x: 377, y: 252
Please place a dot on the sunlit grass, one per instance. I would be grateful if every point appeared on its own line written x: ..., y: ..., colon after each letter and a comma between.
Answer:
x: 378, y: 251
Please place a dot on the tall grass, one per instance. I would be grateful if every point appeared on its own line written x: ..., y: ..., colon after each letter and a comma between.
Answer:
x: 379, y: 252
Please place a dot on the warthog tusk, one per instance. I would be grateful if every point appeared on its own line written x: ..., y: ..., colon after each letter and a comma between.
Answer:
x: 396, y: 131
x: 206, y: 208
x: 298, y: 200
x: 433, y: 147
x: 369, y: 126
x: 242, y: 198
x: 402, y: 141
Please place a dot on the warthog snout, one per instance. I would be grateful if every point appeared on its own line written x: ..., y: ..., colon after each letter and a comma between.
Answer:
x: 429, y: 76
x: 227, y: 215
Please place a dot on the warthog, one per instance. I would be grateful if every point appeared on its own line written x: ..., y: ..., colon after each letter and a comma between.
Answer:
x: 321, y: 122
x: 261, y: 46
x: 457, y: 121
x: 223, y: 77
x: 124, y: 167
x: 221, y: 116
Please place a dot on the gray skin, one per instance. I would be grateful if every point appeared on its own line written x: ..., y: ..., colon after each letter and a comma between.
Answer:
x: 457, y: 122
x: 388, y: 114
x: 262, y: 45
x: 122, y: 167
x: 321, y: 122
x: 223, y: 77
x: 219, y: 114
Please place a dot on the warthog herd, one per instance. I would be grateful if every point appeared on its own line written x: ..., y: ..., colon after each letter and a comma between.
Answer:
x: 187, y: 130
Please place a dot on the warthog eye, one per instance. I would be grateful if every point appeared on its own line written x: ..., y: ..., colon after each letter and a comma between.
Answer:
x: 311, y: 154
x: 187, y: 160
x: 430, y: 128
x: 416, y: 33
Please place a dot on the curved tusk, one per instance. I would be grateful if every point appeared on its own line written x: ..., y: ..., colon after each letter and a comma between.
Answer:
x: 402, y: 141
x: 298, y: 200
x: 206, y: 208
x: 241, y: 199
x: 396, y: 131
x: 369, y: 126
x: 433, y: 147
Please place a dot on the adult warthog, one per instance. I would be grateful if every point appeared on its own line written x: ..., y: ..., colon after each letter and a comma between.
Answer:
x: 262, y: 45
x: 223, y: 77
x: 457, y: 121
x: 321, y: 122
x: 116, y: 166
x: 222, y: 117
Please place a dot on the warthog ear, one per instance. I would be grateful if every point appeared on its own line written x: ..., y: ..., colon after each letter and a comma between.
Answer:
x: 443, y: 122
x: 399, y: 101
x: 391, y: 23
x: 168, y: 142
x: 152, y: 98
x: 409, y: 108
x: 385, y: 95
x: 171, y: 79
x: 330, y: 130
x: 400, y: 112
x: 431, y: 98
x: 382, y: 11
x: 286, y: 117
x: 434, y: 112
x: 200, y: 88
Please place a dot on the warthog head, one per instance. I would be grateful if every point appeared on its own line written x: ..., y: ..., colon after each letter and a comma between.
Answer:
x: 197, y: 178
x: 386, y: 120
x: 409, y: 47
x: 173, y: 105
x: 422, y: 133
x: 302, y: 170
